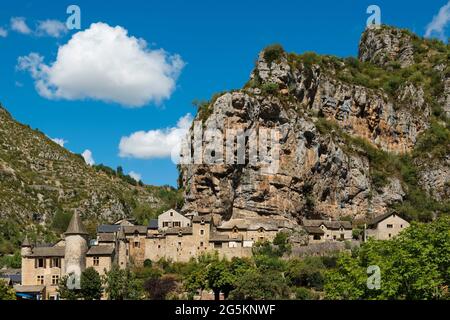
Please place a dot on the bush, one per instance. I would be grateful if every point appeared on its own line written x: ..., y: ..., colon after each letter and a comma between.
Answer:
x: 304, y: 294
x: 273, y: 53
x: 270, y: 88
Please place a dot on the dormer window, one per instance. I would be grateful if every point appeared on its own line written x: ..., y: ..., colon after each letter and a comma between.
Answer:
x: 180, y: 234
x: 202, y: 221
x: 261, y: 230
x: 235, y: 230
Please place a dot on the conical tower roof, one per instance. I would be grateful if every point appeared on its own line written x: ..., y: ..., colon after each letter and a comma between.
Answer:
x: 76, y: 226
x: 26, y: 242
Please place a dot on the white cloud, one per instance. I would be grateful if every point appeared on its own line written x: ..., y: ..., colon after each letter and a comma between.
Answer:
x: 87, y: 155
x: 155, y: 143
x: 135, y: 176
x: 59, y: 141
x: 438, y: 24
x: 51, y: 28
x: 19, y: 24
x: 3, y: 33
x: 104, y: 63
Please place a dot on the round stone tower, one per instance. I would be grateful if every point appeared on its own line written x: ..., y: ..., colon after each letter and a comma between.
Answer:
x: 25, y: 249
x: 76, y: 248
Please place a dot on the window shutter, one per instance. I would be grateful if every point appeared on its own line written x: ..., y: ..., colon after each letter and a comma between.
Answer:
x: 51, y: 263
x: 35, y: 263
x: 45, y: 263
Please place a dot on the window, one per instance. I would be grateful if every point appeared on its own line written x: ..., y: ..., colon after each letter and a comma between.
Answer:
x: 96, y: 261
x: 136, y: 244
x: 55, y: 263
x: 401, y: 226
x: 342, y: 236
x: 40, y: 280
x: 389, y: 226
x: 202, y: 232
x: 165, y: 224
x: 235, y: 229
x: 334, y: 237
x: 217, y: 245
x: 171, y: 214
x: 390, y: 235
x: 201, y: 244
x: 179, y: 244
x: 176, y: 224
x: 261, y: 239
x: 55, y: 280
x: 317, y: 237
x: 39, y: 263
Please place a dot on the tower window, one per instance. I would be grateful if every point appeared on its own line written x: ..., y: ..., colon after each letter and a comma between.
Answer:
x: 136, y: 244
x: 96, y: 261
x: 202, y: 232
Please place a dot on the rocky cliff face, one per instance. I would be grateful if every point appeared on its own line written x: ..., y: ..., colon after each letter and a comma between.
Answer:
x: 338, y: 135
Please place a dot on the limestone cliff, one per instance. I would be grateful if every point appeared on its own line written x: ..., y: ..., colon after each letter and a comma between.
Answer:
x: 349, y: 131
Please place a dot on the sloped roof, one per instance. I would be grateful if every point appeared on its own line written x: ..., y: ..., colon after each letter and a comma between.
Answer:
x: 106, y: 237
x: 314, y: 230
x: 184, y: 230
x: 206, y: 218
x: 380, y: 218
x: 76, y: 226
x: 26, y: 242
x: 335, y: 225
x: 29, y: 289
x: 57, y: 251
x: 108, y: 228
x: 217, y: 237
x: 153, y: 224
x: 134, y: 229
x: 243, y: 224
x: 101, y: 250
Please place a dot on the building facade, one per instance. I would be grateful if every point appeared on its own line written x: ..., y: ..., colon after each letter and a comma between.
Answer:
x: 386, y: 226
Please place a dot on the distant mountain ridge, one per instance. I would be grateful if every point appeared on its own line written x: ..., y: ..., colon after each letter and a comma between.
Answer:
x: 40, y: 179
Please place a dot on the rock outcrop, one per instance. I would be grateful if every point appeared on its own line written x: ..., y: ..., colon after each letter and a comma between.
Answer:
x: 324, y: 125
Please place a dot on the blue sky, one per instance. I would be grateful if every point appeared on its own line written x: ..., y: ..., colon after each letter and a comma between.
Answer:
x: 218, y: 41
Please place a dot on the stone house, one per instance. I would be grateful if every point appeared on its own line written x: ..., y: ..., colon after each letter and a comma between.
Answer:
x: 327, y: 230
x: 171, y: 237
x: 172, y: 219
x: 386, y: 226
x: 43, y: 266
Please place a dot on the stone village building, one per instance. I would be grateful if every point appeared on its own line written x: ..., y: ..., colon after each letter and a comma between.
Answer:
x: 386, y: 226
x: 172, y: 236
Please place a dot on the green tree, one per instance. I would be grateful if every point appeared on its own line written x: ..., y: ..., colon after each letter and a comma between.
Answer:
x: 91, y: 285
x: 64, y: 292
x: 220, y: 278
x: 414, y: 265
x: 257, y: 285
x: 122, y: 284
x: 6, y: 292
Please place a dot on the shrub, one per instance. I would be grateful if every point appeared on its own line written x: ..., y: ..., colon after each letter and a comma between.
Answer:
x: 273, y: 53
